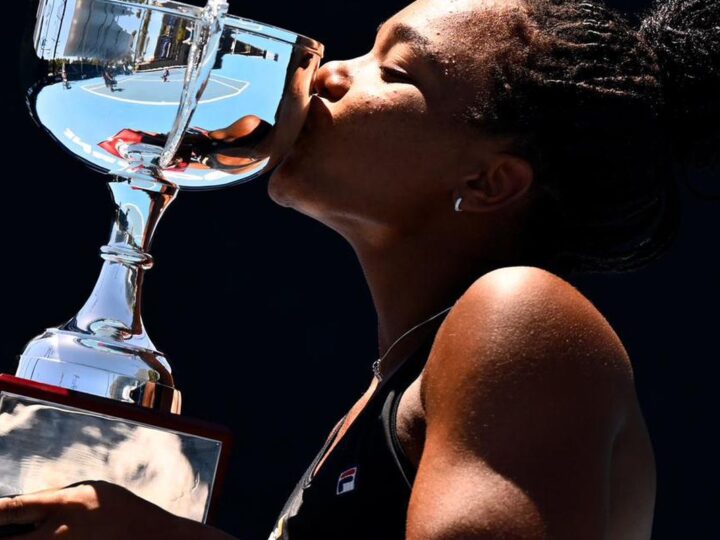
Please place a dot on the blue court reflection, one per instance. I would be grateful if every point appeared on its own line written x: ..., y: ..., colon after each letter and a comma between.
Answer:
x: 115, y: 80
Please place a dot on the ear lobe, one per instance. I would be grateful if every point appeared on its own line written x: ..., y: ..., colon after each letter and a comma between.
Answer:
x: 506, y: 180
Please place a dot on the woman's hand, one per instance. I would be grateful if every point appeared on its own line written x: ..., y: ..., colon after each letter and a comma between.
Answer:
x: 92, y: 510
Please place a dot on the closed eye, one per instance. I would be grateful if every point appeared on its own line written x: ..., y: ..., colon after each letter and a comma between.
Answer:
x: 394, y: 75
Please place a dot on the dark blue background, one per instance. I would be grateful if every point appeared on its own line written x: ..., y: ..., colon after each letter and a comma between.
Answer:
x: 267, y: 320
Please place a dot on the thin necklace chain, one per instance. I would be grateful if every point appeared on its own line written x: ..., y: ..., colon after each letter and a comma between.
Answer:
x: 376, y: 363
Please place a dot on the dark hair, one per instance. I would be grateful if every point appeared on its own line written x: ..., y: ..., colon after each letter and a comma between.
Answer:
x: 609, y: 116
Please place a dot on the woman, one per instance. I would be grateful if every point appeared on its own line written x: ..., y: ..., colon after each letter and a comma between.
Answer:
x: 478, y: 152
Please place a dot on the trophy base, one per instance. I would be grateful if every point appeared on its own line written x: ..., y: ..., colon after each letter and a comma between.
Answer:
x: 102, y: 366
x: 51, y: 437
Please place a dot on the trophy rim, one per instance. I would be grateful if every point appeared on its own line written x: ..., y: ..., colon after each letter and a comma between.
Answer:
x: 234, y: 21
x: 302, y: 41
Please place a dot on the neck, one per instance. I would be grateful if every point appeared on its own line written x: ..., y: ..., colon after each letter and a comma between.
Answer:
x: 410, y: 281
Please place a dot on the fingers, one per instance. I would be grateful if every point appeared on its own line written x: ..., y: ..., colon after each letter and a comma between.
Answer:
x: 27, y: 509
x: 15, y: 511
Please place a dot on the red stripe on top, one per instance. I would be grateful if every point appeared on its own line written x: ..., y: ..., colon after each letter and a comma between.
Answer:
x: 349, y: 472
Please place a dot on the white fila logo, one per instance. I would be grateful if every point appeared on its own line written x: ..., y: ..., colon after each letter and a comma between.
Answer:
x: 346, y: 481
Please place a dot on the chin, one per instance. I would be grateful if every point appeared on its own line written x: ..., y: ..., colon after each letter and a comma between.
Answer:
x: 302, y: 193
x: 287, y: 188
x: 277, y: 189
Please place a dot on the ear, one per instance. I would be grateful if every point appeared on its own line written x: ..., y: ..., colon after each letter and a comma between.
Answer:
x: 505, y: 179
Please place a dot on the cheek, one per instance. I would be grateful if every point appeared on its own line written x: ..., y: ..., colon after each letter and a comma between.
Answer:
x: 388, y: 135
x: 380, y: 149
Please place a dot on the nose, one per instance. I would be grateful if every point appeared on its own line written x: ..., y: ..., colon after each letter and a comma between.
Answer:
x: 332, y: 80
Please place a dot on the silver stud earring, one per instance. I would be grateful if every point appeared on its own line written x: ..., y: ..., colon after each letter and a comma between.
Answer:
x: 457, y: 204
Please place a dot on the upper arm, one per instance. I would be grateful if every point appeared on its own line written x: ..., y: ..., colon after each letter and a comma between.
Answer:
x: 524, y: 391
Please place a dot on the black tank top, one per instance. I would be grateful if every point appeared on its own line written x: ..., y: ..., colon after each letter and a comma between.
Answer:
x: 363, y: 488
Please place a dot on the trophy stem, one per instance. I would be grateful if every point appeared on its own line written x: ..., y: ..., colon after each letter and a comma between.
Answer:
x: 104, y: 350
x: 113, y: 308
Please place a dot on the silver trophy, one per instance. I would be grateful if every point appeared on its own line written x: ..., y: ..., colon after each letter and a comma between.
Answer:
x: 161, y: 96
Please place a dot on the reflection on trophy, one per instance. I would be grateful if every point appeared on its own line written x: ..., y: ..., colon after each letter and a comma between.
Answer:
x: 162, y: 96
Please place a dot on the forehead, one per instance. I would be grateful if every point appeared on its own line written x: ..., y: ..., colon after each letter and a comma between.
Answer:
x: 463, y: 37
x: 438, y: 14
x: 460, y: 30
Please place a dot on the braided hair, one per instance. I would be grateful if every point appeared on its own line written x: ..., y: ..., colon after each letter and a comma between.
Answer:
x: 608, y: 116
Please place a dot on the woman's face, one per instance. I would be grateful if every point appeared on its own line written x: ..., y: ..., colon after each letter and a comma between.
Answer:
x: 383, y: 145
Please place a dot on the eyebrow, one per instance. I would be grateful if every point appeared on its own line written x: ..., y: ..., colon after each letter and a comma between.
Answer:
x: 401, y: 32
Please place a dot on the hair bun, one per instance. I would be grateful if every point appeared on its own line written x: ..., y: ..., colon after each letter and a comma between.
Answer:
x: 685, y: 35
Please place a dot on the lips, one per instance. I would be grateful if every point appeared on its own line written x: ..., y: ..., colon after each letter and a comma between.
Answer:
x: 308, y: 117
x: 316, y: 118
x: 318, y: 115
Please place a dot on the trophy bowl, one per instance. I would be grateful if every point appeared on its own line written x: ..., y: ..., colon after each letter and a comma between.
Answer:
x: 122, y: 78
x: 160, y: 96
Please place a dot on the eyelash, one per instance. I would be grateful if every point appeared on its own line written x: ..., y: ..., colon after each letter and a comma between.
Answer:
x: 391, y: 73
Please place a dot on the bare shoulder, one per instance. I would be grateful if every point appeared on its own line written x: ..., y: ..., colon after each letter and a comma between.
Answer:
x: 525, y: 393
x: 524, y: 317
